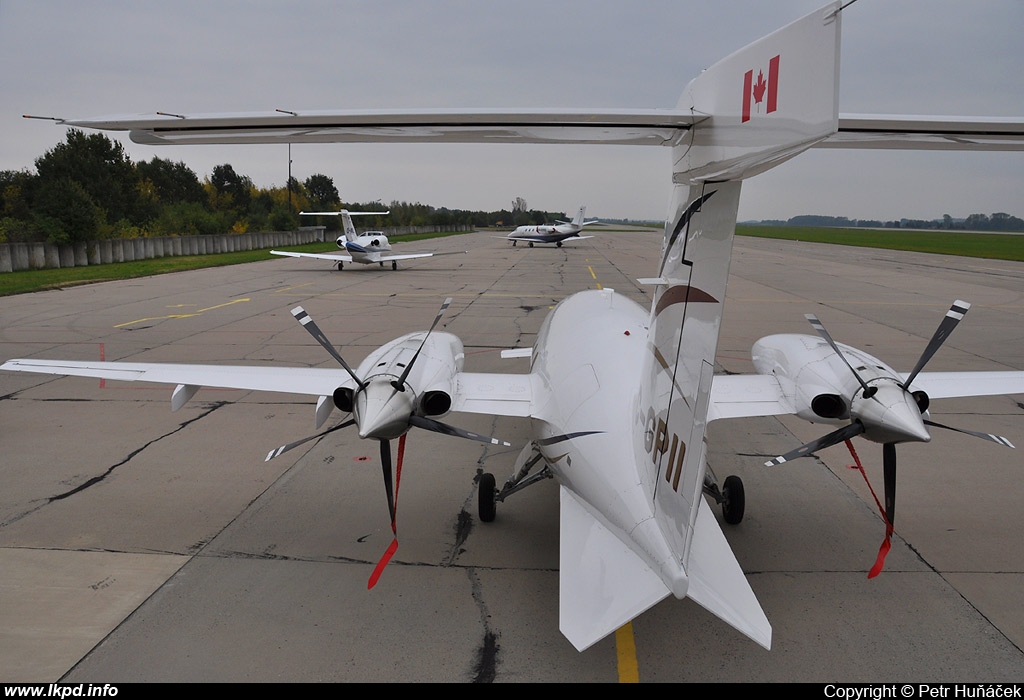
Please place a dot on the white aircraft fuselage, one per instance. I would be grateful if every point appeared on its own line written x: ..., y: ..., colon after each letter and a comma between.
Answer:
x: 366, y: 248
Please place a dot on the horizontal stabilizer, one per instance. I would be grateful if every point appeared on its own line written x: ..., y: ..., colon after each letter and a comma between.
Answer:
x: 718, y: 584
x: 602, y: 583
x: 746, y: 396
x: 494, y: 394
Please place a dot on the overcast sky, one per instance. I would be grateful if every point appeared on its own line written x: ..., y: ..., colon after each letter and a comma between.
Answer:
x: 78, y: 59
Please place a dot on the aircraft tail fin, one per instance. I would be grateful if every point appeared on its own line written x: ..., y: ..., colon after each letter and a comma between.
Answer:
x: 759, y: 107
x: 580, y: 216
x: 603, y: 583
x: 718, y: 584
x: 764, y: 103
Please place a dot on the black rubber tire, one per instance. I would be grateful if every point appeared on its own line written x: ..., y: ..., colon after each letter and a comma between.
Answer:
x: 487, y: 506
x: 735, y: 501
x: 341, y: 266
x: 394, y: 264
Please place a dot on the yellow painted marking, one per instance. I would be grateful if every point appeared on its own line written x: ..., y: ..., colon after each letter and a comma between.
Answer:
x: 591, y: 272
x: 288, y: 289
x: 170, y: 316
x: 625, y: 649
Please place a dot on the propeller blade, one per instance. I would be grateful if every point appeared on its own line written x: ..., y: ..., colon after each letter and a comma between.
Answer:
x: 385, y: 465
x: 833, y: 438
x: 889, y: 474
x: 400, y: 382
x: 998, y: 439
x: 438, y: 427
x: 820, y: 327
x: 948, y: 323
x: 307, y: 322
x: 291, y: 445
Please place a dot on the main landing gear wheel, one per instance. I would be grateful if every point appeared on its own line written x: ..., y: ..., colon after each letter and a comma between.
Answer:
x: 487, y: 504
x: 394, y: 264
x: 531, y: 244
x: 558, y: 245
x: 734, y: 500
x: 341, y: 266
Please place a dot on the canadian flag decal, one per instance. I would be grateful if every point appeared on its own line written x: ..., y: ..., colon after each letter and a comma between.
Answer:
x: 760, y: 89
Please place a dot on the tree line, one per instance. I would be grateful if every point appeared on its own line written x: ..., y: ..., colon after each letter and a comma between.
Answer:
x: 87, y: 188
x: 975, y: 222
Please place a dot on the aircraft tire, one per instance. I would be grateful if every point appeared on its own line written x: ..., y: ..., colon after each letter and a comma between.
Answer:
x: 487, y: 506
x: 531, y: 244
x: 558, y: 245
x: 735, y: 501
x: 394, y: 264
x: 341, y: 266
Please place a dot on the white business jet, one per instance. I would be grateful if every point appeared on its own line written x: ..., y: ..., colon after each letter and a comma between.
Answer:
x: 556, y: 233
x: 367, y: 248
x: 618, y: 397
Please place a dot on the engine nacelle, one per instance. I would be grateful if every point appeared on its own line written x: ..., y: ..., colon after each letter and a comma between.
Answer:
x: 830, y: 406
x: 344, y: 398
x: 435, y: 402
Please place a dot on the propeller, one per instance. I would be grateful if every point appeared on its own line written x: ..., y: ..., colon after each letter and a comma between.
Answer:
x: 399, y: 383
x: 820, y: 327
x: 887, y: 411
x: 382, y: 410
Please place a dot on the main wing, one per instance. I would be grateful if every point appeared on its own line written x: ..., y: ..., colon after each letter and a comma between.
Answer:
x: 753, y: 395
x: 494, y: 394
x: 348, y: 258
x: 316, y: 256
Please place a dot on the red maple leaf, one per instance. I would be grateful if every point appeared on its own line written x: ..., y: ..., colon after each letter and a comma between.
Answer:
x: 759, y: 87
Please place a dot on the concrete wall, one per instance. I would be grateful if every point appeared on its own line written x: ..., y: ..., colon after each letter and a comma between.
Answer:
x: 38, y: 256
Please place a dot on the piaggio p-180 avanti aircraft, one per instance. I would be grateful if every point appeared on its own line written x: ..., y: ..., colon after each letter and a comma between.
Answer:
x: 618, y: 397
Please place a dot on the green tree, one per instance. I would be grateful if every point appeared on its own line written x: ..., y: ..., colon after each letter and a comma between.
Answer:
x: 323, y: 195
x: 100, y: 168
x: 172, y: 182
x: 66, y: 212
x: 233, y: 190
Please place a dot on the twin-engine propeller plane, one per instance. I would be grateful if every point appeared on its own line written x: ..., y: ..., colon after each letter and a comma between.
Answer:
x: 367, y: 248
x: 556, y: 234
x: 618, y: 396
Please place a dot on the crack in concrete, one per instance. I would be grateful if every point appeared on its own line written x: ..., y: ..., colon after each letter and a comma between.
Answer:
x: 110, y: 470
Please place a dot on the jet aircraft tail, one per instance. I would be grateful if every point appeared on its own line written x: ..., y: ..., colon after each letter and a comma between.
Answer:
x: 578, y: 221
x: 346, y: 219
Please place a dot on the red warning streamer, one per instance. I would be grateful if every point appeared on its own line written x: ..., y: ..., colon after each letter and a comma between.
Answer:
x: 887, y: 542
x: 393, y: 547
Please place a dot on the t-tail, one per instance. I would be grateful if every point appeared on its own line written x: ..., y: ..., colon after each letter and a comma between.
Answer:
x: 346, y: 219
x: 763, y: 105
